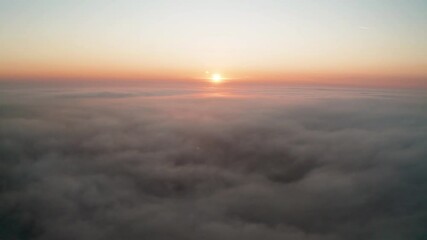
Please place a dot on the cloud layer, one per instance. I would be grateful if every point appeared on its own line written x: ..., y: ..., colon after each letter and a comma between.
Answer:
x: 188, y: 164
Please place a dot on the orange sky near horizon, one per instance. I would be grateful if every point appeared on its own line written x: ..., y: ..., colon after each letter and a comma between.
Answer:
x: 355, y: 43
x: 63, y: 73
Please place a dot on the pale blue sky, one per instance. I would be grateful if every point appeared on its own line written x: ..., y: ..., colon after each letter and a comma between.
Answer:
x: 268, y: 36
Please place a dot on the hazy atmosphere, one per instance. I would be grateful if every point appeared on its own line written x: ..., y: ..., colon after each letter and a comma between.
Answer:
x: 213, y: 120
x: 213, y: 163
x: 356, y: 42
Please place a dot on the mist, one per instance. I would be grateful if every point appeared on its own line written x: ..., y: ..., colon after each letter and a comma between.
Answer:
x: 212, y: 163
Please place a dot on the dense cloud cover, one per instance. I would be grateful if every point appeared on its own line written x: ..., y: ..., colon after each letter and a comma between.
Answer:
x: 213, y: 164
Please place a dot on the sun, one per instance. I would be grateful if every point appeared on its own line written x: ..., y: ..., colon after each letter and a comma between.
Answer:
x: 216, y: 78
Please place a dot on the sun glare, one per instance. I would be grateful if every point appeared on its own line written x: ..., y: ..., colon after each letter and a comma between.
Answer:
x: 216, y: 78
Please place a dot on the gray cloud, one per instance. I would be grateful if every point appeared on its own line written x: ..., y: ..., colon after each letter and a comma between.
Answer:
x: 238, y: 165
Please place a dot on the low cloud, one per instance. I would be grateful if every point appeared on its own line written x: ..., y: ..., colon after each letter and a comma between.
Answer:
x: 245, y: 165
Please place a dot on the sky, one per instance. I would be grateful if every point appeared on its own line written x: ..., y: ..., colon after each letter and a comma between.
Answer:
x: 213, y: 120
x: 361, y: 43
